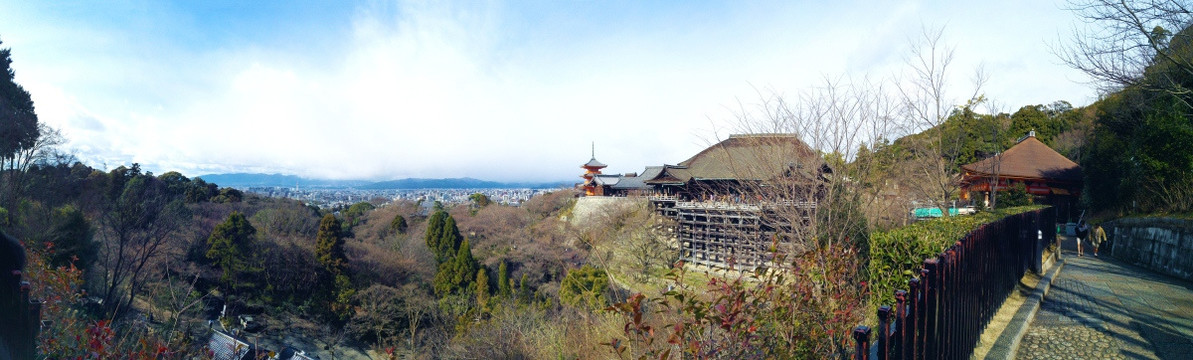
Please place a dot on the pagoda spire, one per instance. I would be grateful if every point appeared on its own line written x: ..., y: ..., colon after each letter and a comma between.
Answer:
x: 591, y: 170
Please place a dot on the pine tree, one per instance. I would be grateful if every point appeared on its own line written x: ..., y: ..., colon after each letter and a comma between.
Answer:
x: 335, y: 287
x: 18, y: 127
x: 503, y: 281
x: 524, y: 290
x: 434, y: 234
x: 449, y: 241
x: 398, y: 225
x: 456, y: 275
x: 329, y: 245
x: 231, y: 246
x: 482, y: 290
x: 18, y: 121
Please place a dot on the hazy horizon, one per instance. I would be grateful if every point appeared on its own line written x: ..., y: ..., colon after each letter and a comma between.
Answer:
x: 489, y: 90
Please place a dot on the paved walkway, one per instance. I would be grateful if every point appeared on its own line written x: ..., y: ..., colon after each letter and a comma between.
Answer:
x: 1100, y: 308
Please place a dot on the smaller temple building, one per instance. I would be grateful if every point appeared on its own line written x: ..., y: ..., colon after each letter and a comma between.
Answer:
x: 1049, y: 176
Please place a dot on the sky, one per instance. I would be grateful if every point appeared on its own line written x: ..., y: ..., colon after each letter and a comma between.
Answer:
x: 505, y: 91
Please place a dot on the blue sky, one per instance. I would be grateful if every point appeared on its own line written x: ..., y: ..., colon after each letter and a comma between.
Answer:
x: 493, y: 90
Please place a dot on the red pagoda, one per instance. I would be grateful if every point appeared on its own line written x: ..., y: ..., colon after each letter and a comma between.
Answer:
x: 591, y: 169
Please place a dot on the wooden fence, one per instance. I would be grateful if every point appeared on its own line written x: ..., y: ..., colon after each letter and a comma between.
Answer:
x: 943, y: 312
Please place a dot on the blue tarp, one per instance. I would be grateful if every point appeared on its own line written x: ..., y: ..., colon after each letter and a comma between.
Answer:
x: 933, y: 212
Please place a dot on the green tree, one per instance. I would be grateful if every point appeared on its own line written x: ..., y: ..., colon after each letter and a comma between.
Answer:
x: 482, y: 290
x: 443, y: 237
x: 73, y: 238
x: 585, y: 288
x: 479, y: 200
x: 1015, y: 196
x: 329, y: 245
x: 357, y: 211
x: 335, y: 286
x: 18, y: 123
x: 228, y: 195
x: 200, y: 191
x: 231, y: 246
x: 524, y: 290
x: 456, y: 275
x: 398, y: 225
x: 434, y: 234
x: 449, y: 242
x: 176, y: 183
x: 503, y: 281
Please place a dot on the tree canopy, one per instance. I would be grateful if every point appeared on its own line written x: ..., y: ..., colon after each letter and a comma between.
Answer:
x: 457, y: 274
x: 231, y: 247
x: 443, y: 236
x: 585, y: 287
x: 18, y: 121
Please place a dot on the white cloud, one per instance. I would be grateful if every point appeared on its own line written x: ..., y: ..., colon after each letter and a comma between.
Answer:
x: 486, y: 90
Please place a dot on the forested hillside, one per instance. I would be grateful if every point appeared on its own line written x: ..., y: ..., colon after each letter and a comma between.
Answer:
x: 132, y: 264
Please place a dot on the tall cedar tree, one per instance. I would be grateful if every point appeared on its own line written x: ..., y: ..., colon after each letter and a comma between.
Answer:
x: 335, y: 288
x: 457, y: 275
x: 482, y: 290
x: 503, y: 281
x: 524, y: 290
x: 18, y: 125
x: 434, y: 232
x: 329, y: 245
x: 231, y: 247
x: 18, y: 121
x: 443, y: 237
x: 449, y: 240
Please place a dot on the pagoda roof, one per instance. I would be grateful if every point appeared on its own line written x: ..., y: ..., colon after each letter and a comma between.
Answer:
x: 593, y: 163
x: 1028, y: 159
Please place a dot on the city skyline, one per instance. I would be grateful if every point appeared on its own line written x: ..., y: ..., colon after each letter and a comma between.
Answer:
x: 489, y: 90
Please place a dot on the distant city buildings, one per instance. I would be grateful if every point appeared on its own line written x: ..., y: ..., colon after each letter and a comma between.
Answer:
x: 333, y: 197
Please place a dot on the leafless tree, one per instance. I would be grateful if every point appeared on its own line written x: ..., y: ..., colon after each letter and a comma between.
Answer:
x: 177, y: 298
x: 138, y: 222
x: 44, y: 150
x: 834, y: 120
x: 1123, y: 39
x: 932, y: 174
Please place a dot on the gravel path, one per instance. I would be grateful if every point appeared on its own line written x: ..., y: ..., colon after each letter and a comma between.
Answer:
x: 1099, y: 308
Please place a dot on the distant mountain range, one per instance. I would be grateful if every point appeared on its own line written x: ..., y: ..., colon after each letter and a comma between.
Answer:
x: 279, y: 180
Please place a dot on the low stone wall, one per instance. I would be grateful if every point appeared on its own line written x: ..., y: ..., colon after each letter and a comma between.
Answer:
x: 592, y: 208
x: 1161, y: 244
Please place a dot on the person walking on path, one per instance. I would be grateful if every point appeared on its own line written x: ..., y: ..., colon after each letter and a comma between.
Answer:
x: 1098, y: 237
x: 1082, y: 232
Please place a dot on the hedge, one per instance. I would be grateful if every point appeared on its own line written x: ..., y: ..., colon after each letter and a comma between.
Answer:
x: 897, y: 254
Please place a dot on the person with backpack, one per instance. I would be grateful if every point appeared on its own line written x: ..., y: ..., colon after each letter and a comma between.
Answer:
x: 1082, y: 232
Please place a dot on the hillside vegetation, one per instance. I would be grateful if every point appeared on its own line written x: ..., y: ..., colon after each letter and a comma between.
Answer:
x: 136, y: 265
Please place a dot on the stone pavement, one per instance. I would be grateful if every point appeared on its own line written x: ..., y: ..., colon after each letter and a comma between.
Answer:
x: 1100, y: 308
